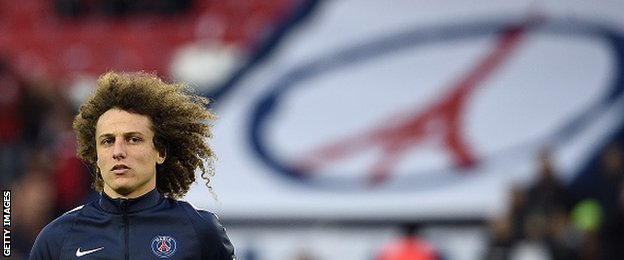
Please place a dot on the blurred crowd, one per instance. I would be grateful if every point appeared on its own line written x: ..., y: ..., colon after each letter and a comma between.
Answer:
x: 37, y: 153
x: 548, y: 219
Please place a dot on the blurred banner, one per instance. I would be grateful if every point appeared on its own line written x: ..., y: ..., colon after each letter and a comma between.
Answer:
x: 416, y: 110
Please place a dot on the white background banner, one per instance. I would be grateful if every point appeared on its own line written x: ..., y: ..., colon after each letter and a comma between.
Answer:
x: 386, y: 110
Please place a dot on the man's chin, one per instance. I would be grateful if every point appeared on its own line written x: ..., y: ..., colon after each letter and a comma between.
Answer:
x: 123, y: 191
x: 127, y: 188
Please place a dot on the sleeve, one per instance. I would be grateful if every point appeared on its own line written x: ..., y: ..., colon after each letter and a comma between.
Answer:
x: 216, y: 243
x: 50, y: 240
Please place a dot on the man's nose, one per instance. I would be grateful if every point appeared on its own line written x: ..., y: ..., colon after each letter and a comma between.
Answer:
x: 119, y: 150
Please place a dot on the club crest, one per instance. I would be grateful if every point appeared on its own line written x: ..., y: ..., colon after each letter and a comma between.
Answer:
x: 164, y: 246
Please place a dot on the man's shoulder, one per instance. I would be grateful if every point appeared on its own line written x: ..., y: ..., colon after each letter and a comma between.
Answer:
x: 63, y: 222
x: 196, y: 212
x: 204, y: 221
x: 52, y: 236
x: 209, y: 229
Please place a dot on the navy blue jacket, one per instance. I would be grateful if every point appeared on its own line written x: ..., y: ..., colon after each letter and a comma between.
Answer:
x: 148, y: 227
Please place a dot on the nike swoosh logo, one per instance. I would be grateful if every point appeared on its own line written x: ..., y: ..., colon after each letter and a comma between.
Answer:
x: 83, y: 253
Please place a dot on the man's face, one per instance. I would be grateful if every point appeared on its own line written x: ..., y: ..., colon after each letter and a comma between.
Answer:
x: 126, y: 155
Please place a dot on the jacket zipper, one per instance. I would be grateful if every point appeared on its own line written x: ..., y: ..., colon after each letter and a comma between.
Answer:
x: 124, y: 212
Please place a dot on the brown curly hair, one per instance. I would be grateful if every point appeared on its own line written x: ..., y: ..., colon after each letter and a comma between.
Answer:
x: 180, y: 121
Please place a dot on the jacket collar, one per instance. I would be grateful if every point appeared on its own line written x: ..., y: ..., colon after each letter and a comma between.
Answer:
x: 120, y: 206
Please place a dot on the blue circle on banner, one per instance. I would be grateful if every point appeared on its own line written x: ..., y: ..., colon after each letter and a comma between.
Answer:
x: 269, y: 104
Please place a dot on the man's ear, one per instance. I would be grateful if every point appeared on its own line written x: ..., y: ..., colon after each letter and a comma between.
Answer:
x: 161, y: 157
x: 161, y: 148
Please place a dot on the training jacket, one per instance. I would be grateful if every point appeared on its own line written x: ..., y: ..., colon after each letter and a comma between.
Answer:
x: 148, y: 227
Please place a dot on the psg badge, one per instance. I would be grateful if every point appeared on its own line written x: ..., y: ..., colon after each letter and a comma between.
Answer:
x: 163, y: 246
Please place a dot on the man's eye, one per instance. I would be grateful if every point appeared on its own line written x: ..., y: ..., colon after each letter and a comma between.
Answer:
x: 134, y: 139
x: 106, y: 141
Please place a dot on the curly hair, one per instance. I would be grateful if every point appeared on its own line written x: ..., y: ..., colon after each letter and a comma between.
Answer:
x: 180, y: 121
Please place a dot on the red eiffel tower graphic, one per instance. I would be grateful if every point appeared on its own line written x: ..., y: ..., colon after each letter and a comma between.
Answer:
x: 394, y: 137
x: 163, y: 246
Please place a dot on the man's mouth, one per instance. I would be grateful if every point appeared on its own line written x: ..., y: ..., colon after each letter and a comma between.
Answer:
x: 120, y: 168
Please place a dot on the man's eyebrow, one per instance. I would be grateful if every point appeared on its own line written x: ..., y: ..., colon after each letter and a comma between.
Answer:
x: 105, y: 135
x: 133, y: 133
x: 124, y: 134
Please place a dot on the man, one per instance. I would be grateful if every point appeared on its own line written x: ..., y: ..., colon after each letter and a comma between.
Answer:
x: 144, y: 139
